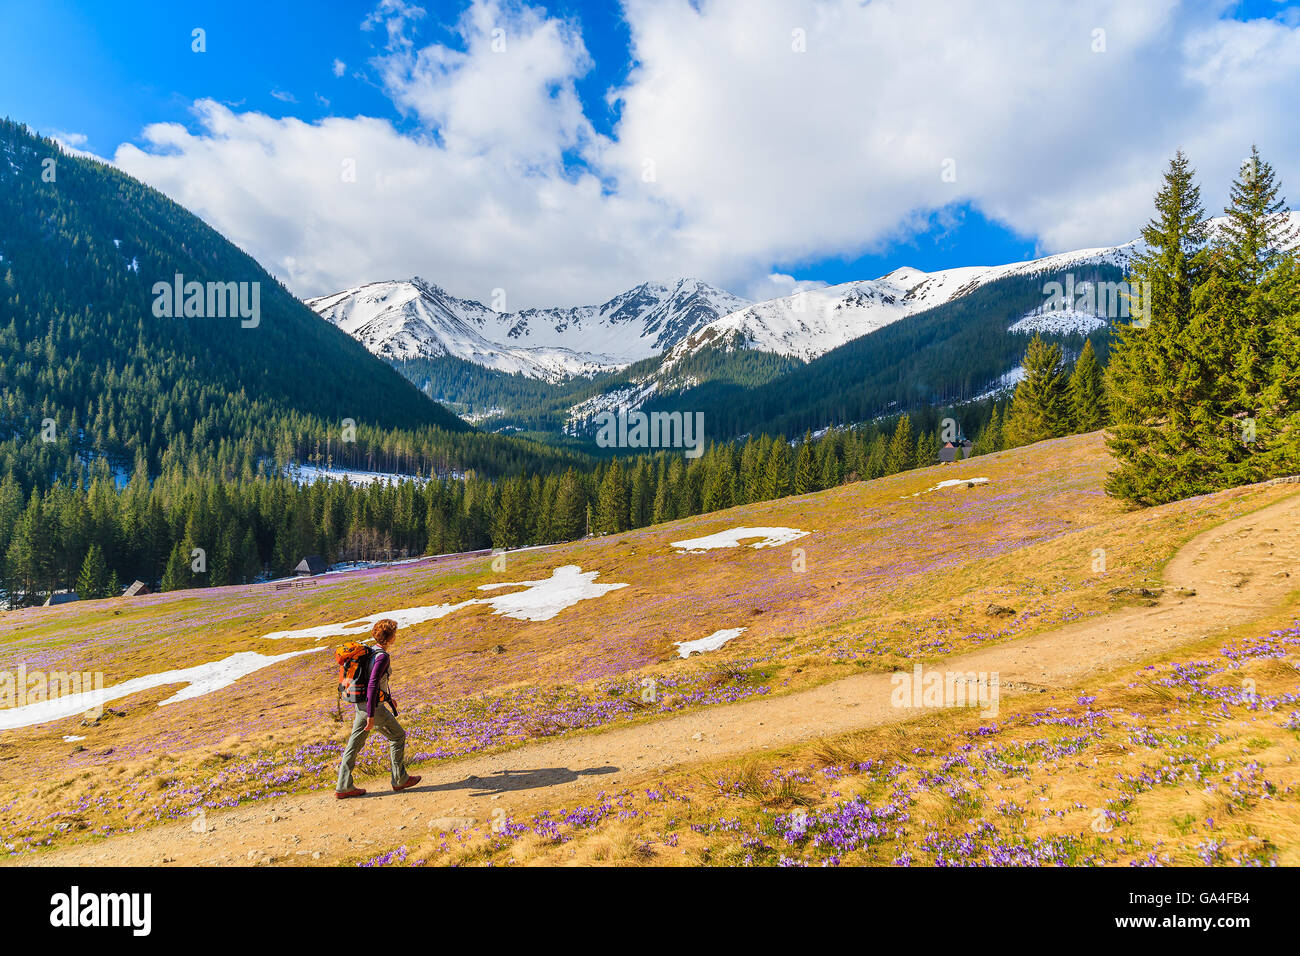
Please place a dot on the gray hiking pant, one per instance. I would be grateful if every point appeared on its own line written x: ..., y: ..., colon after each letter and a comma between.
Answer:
x: 387, y: 725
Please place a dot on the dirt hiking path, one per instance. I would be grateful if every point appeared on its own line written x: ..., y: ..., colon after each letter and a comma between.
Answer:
x: 1239, y: 571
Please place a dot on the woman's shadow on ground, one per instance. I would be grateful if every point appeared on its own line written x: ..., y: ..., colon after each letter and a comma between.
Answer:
x: 505, y: 781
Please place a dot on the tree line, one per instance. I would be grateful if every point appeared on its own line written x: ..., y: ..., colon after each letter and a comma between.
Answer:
x: 190, y: 527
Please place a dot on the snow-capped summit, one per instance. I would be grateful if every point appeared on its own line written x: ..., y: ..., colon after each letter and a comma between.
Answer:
x: 680, y: 317
x: 811, y: 323
x: 414, y: 318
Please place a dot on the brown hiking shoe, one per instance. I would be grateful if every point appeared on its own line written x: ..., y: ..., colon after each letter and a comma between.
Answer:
x: 410, y: 782
x: 344, y: 794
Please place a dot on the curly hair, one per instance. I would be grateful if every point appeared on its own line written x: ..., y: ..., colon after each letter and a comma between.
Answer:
x: 384, y: 631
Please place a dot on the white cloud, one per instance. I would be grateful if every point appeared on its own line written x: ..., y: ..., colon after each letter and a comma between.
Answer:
x: 760, y: 154
x: 778, y: 285
x: 68, y: 140
x: 510, y: 93
x: 339, y: 67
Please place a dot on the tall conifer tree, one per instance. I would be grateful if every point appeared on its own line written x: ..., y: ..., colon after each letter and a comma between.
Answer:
x: 1040, y: 408
x: 1087, y: 392
x: 1151, y: 396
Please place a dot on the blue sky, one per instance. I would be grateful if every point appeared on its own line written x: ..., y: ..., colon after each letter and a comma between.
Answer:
x: 101, y: 74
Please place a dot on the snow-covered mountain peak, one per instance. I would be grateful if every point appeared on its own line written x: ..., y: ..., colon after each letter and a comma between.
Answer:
x: 812, y: 322
x: 405, y: 319
x: 673, y: 317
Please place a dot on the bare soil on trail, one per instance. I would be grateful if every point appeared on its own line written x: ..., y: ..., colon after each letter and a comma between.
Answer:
x: 1225, y: 577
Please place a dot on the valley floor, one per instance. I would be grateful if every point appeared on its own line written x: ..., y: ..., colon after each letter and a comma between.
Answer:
x: 836, y: 773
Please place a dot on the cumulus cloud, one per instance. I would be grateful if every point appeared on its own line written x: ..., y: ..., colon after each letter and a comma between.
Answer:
x: 751, y: 133
x: 778, y: 285
x: 71, y: 142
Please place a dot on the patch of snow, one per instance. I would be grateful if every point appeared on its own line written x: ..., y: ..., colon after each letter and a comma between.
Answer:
x: 481, y: 416
x: 1058, y: 322
x: 308, y: 474
x: 710, y: 643
x: 627, y: 398
x: 405, y: 617
x: 952, y: 483
x: 72, y: 739
x: 771, y: 537
x: 539, y: 601
x: 1008, y: 380
x: 542, y: 600
x: 202, y: 679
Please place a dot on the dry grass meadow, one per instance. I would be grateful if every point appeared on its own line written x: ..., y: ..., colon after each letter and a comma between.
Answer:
x: 889, y: 574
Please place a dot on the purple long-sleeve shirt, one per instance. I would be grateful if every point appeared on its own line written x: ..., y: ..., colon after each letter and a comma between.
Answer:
x: 378, y: 672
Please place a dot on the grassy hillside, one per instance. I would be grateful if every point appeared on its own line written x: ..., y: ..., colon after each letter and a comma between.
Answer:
x: 1171, y: 764
x: 890, y: 572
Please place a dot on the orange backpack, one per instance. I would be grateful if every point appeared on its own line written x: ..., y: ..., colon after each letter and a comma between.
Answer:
x: 354, y: 662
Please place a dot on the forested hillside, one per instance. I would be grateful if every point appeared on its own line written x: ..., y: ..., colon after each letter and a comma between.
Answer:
x: 90, y: 371
x: 201, y: 413
x: 952, y: 353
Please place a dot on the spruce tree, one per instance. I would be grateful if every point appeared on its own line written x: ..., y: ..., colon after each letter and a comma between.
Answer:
x: 31, y: 557
x: 829, y: 474
x: 776, y: 476
x: 1252, y: 247
x: 641, y: 496
x: 571, y: 507
x: 1150, y: 393
x: 1087, y: 392
x: 1040, y: 408
x: 250, y: 563
x: 177, y: 573
x: 720, y: 486
x: 752, y: 460
x: 927, y: 449
x: 663, y: 506
x: 93, y: 581
x: 508, y: 524
x: 901, y: 450
x: 990, y: 438
x: 1281, y: 436
x: 805, y: 479
x: 611, y: 503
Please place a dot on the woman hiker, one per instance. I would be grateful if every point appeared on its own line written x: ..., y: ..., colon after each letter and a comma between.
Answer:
x: 371, y: 715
